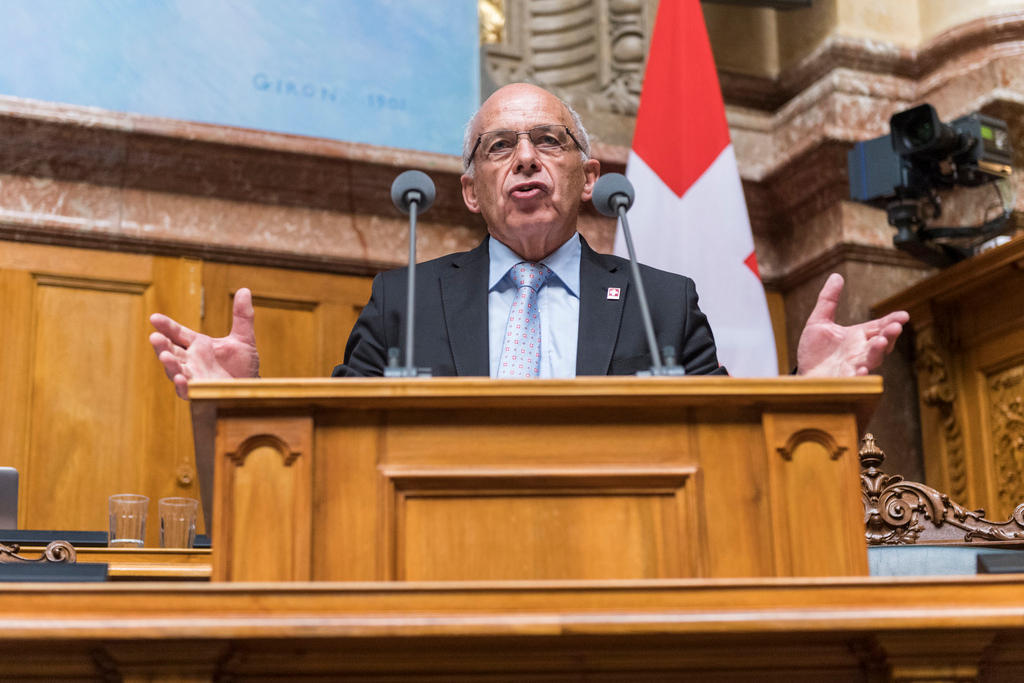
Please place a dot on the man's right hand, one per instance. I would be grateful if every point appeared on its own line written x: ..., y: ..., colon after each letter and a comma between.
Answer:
x: 187, y: 354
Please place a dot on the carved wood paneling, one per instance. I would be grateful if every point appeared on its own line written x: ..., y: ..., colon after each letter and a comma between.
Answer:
x: 969, y: 331
x: 1006, y: 416
x: 938, y: 391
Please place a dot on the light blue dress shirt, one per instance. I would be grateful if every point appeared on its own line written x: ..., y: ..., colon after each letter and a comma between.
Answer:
x: 558, y: 301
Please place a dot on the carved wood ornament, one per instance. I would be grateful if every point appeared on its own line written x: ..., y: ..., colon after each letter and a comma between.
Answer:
x: 939, y: 392
x: 1007, y: 428
x: 59, y: 552
x: 899, y: 512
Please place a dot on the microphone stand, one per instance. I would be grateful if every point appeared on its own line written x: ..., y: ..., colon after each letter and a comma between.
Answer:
x: 612, y: 196
x: 409, y: 191
x: 669, y: 367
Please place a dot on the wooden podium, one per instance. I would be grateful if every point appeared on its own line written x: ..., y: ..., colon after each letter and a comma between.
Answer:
x: 476, y: 479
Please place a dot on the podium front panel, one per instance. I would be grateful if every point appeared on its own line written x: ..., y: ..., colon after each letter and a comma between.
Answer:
x: 595, y: 478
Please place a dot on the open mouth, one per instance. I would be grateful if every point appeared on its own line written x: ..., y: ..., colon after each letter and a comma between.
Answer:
x: 528, y: 190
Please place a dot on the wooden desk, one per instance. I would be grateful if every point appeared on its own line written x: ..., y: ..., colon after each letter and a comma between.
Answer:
x: 852, y: 629
x: 591, y: 478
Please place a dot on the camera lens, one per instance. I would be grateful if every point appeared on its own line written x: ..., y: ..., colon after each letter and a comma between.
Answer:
x: 920, y: 133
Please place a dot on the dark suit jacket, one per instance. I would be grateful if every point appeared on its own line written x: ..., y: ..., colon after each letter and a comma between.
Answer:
x: 451, y: 319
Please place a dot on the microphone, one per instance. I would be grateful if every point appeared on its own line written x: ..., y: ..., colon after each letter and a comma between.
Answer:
x: 612, y: 196
x: 611, y: 191
x: 412, y: 187
x: 412, y: 192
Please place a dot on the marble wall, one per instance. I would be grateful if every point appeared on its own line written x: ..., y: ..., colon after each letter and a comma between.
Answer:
x: 86, y: 177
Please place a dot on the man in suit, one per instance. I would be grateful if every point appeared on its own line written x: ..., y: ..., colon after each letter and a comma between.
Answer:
x: 453, y: 311
x: 528, y: 171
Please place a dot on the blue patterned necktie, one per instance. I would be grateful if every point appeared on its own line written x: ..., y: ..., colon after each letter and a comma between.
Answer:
x: 520, y: 354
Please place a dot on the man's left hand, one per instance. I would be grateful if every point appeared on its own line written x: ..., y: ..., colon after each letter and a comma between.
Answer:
x: 827, y: 349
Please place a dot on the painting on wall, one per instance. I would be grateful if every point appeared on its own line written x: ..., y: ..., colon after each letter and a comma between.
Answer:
x: 400, y: 73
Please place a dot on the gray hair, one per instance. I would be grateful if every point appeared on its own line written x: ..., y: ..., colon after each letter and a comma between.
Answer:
x: 469, y: 140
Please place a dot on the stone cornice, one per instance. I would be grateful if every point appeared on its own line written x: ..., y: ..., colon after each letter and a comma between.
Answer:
x: 86, y: 177
x: 838, y: 254
x: 52, y: 233
x: 770, y: 94
x: 792, y: 151
x: 149, y: 153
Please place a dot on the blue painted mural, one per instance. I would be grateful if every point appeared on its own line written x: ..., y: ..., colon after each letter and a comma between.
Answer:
x: 399, y: 73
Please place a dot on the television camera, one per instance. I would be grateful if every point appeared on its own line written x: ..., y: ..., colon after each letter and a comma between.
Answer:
x: 903, y: 172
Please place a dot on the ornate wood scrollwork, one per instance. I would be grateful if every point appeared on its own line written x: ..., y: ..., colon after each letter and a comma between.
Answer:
x: 899, y: 512
x: 59, y: 552
x: 938, y: 391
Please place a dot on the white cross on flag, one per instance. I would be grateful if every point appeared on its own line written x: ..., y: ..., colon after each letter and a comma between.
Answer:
x: 689, y: 216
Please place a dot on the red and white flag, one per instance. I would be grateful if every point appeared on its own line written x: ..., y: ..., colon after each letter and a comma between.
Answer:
x: 690, y: 216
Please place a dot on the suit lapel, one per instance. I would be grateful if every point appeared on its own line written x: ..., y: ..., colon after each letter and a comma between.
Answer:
x: 464, y: 296
x: 599, y: 315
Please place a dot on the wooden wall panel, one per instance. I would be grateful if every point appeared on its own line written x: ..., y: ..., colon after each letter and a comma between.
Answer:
x: 302, y: 319
x: 90, y: 414
x: 15, y: 380
x: 87, y: 410
x: 78, y: 441
x: 176, y: 292
x: 284, y: 333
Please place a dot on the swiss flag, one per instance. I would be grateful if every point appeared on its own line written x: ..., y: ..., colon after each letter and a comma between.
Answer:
x: 689, y: 216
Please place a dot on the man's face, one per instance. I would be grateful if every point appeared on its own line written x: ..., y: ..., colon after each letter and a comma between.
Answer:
x: 530, y: 199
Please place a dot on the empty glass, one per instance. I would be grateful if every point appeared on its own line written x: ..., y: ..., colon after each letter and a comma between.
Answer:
x: 178, y: 522
x: 127, y: 520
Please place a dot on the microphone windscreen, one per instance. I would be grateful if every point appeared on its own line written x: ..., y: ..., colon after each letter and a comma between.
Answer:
x: 413, y: 181
x: 611, y: 190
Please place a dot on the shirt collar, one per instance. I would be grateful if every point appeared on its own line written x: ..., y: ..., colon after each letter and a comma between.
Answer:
x: 564, y: 263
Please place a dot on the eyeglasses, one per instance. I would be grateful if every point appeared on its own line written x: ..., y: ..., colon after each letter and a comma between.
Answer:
x: 547, y: 139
